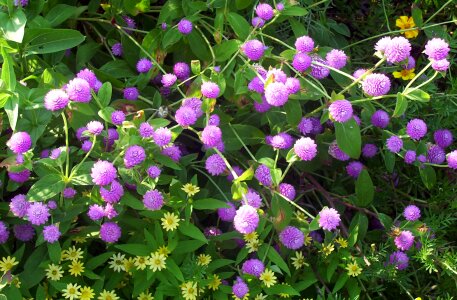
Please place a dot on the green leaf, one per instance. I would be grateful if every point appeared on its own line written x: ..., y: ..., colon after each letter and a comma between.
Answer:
x: 277, y: 259
x: 293, y: 112
x: 357, y: 229
x: 195, y: 66
x: 105, y: 113
x: 117, y: 69
x: 54, y: 251
x: 417, y: 95
x: 59, y: 14
x: 188, y: 246
x: 428, y: 176
x: 192, y: 231
x: 40, y: 41
x: 82, y: 175
x: 104, y: 94
x: 364, y: 189
x: 389, y: 161
x: 332, y: 266
x: 34, y: 121
x: 250, y: 136
x: 174, y: 269
x: 171, y: 37
x: 198, y: 46
x: 296, y: 11
x: 348, y: 137
x: 135, y: 249
x: 209, y: 203
x: 417, y: 16
x: 340, y: 282
x: 246, y: 176
x: 226, y: 49
x: 400, y: 106
x: 8, y: 75
x: 45, y: 188
x: 13, y: 25
x: 85, y: 53
x: 242, y: 4
x: 98, y: 260
x: 239, y: 25
x: 12, y: 110
x: 282, y: 289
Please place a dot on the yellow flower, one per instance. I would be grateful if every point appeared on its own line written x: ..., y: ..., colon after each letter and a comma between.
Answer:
x: 282, y: 295
x: 189, y: 290
x: 301, y: 217
x: 268, y: 278
x: 145, y: 296
x: 250, y: 237
x: 342, y: 242
x: 260, y: 297
x: 170, y: 221
x: 299, y: 260
x: 80, y: 239
x: 156, y: 261
x: 87, y: 293
x: 327, y: 249
x: 108, y: 295
x: 190, y: 189
x: 253, y: 246
x: 16, y: 282
x: 203, y: 259
x: 76, y: 268
x: 164, y: 250
x: 308, y: 240
x: 140, y: 262
x: 214, y: 283
x: 406, y: 23
x: 72, y: 254
x: 353, y: 269
x: 129, y: 264
x: 404, y: 74
x: 7, y: 263
x: 71, y: 291
x: 117, y: 262
x: 54, y: 272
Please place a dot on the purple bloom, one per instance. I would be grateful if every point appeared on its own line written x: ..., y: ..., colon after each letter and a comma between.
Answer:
x: 358, y: 73
x: 94, y: 127
x: 195, y: 104
x: 113, y: 194
x: 172, y: 152
x: 55, y: 153
x: 117, y: 49
x: 280, y: 6
x: 246, y: 219
x: 287, y: 190
x: 253, y: 49
x: 143, y: 65
x: 397, y: 50
x: 97, y: 86
x: 292, y: 85
x: 86, y: 146
x: 153, y: 200
x: 78, y: 90
x: 263, y: 106
x: 181, y: 70
x: 410, y: 64
x: 376, y: 85
x: 437, y: 49
x: 20, y: 142
x: 382, y: 44
x: 56, y: 100
x: 162, y: 136
x: 215, y: 165
x: 443, y: 138
x: 227, y: 214
x: 96, y: 212
x: 240, y: 288
x: 168, y: 79
x: 129, y: 22
x: 421, y: 158
x: 394, y: 144
x: 329, y: 219
x: 301, y: 61
x: 19, y: 177
x: 44, y: 153
x: 340, y: 111
x: 146, y: 130
x: 404, y: 240
x: 416, y: 129
x: 253, y: 267
x: 292, y: 237
x: 399, y: 259
x: 435, y: 154
x: 211, y: 136
x: 185, y: 116
x: 52, y: 204
x: 210, y: 89
x: 253, y: 199
x: 69, y: 193
x: 134, y: 155
x: 131, y: 93
x: 23, y: 232
x: 336, y: 58
x: 276, y: 94
x: 277, y: 74
x: 38, y: 213
x: 103, y: 173
x: 19, y: 160
x: 19, y: 205
x: 185, y: 26
x: 263, y: 175
x: 111, y: 137
x: 354, y: 168
x: 369, y: 150
x: 23, y: 3
x: 4, y: 233
x: 304, y: 44
x: 336, y: 152
x: 264, y: 11
x: 257, y: 22
x: 319, y: 72
x: 80, y: 133
x: 88, y: 76
x: 440, y: 65
x: 451, y: 159
x: 164, y: 26
x: 214, y: 120
x: 305, y: 148
x: 380, y: 119
x: 109, y: 211
x: 51, y: 233
x: 410, y: 156
x: 110, y: 232
x: 412, y: 213
x: 281, y: 141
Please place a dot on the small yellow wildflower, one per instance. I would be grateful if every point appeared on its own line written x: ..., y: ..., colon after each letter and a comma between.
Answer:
x: 108, y: 295
x: 164, y: 250
x: 268, y: 278
x: 405, y: 22
x: 71, y: 291
x: 54, y: 272
x: 80, y: 239
x: 405, y: 74
x: 203, y: 259
x: 246, y: 297
x: 327, y: 249
x: 129, y: 264
x: 260, y: 297
x: 117, y: 262
x: 156, y: 262
x: 140, y: 262
x: 214, y: 283
x: 250, y: 237
x: 72, y: 254
x: 189, y: 290
x: 145, y: 296
x: 299, y: 260
x: 353, y: 269
x: 7, y: 263
x: 76, y: 268
x: 190, y: 189
x: 282, y: 295
x: 170, y: 221
x: 301, y: 217
x: 87, y: 293
x: 253, y: 246
x: 16, y: 282
x: 342, y: 242
x: 308, y: 239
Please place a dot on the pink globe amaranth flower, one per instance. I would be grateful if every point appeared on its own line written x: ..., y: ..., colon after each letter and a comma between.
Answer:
x: 94, y: 127
x: 304, y: 44
x: 86, y: 146
x: 55, y: 153
x: 19, y: 205
x: 437, y: 49
x: 96, y: 212
x: 276, y: 94
x: 153, y: 200
x: 443, y: 138
x: 227, y: 214
x: 78, y: 90
x: 215, y: 165
x: 185, y: 116
x: 336, y: 58
x: 253, y: 267
x: 410, y: 157
x: 253, y: 199
x: 305, y: 148
x: 117, y: 49
x: 211, y: 136
x: 287, y: 190
x: 440, y: 65
x: 23, y: 232
x: 240, y: 288
x: 214, y: 120
x: 69, y: 193
x: 19, y: 177
x: 246, y: 219
x: 416, y: 129
x: 412, y: 213
x: 358, y: 73
x: 435, y: 154
x: 143, y: 65
x: 263, y: 175
x: 181, y: 70
x: 292, y: 238
x: 55, y: 100
x: 399, y: 259
x: 411, y: 63
x: 277, y: 74
x: 265, y: 12
x: 98, y: 85
x: 153, y: 172
x: 88, y: 76
x: 382, y: 44
x: 134, y: 155
x: 292, y: 85
x: 20, y: 142
x: 329, y: 219
x: 263, y: 106
x: 52, y: 204
x: 195, y: 104
x: 112, y: 194
x: 80, y: 133
x: 172, y: 152
x: 380, y: 119
x: 253, y: 49
x: 103, y: 173
x: 185, y: 26
x: 210, y: 90
x: 376, y: 85
x: 340, y: 111
x: 451, y: 159
x: 168, y: 80
x: 397, y: 50
x: 109, y: 211
x: 131, y: 93
x: 404, y: 240
x: 110, y: 232
x: 4, y: 232
x: 20, y: 159
x: 257, y: 22
x: 51, y: 233
x: 281, y: 141
x: 301, y: 62
x: 337, y: 153
x: 354, y: 168
x: 162, y: 136
x: 146, y: 130
x: 319, y: 72
x: 38, y: 213
x: 394, y: 144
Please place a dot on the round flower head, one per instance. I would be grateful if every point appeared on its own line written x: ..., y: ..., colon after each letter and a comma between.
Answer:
x: 319, y: 72
x: 162, y: 136
x: 253, y: 49
x: 55, y: 153
x: 181, y: 70
x: 143, y: 65
x: 329, y: 219
x: 210, y: 89
x: 78, y: 90
x: 69, y: 193
x: 336, y: 58
x: 112, y: 194
x: 277, y: 74
x: 227, y: 214
x: 304, y: 44
x: 257, y: 22
x: 153, y: 200
x: 436, y: 49
x: 38, y: 213
x: 96, y: 212
x: 380, y: 119
x: 94, y: 127
x: 22, y: 3
x: 56, y: 100
x: 394, y: 144
x: 214, y: 120
x: 337, y: 153
x: 51, y: 233
x: 354, y: 168
x: 382, y: 44
x: 110, y: 232
x: 98, y: 85
x: 281, y: 141
x: 292, y: 237
x: 253, y: 199
x: 412, y: 213
x: 399, y: 259
x: 292, y: 85
x: 287, y: 190
x: 185, y: 116
x: 256, y: 85
x: 168, y: 80
x: 19, y: 177
x: 440, y: 65
x: 172, y: 152
x: 19, y: 160
x: 111, y: 137
x: 79, y: 134
x: 19, y: 205
x: 404, y: 240
x: 246, y: 219
x: 131, y: 93
x: 185, y: 26
x: 146, y: 130
x: 153, y: 172
x: 117, y: 49
x: 52, y: 204
x: 253, y: 267
x: 215, y: 165
x: 376, y: 85
x: 88, y: 76
x: 435, y: 154
x: 416, y: 129
x: 340, y: 111
x: 23, y: 232
x: 263, y: 106
x: 44, y: 153
x: 20, y: 142
x: 358, y: 73
x: 397, y: 50
x: 240, y: 288
x: 103, y: 173
x: 410, y: 64
x: 129, y: 22
x: 264, y: 11
x: 134, y: 155
x: 195, y: 104
x: 369, y: 150
x: 276, y: 94
x: 451, y: 159
x: 109, y: 211
x: 211, y: 136
x: 4, y: 233
x: 301, y: 62
x: 86, y: 146
x: 305, y: 148
x: 421, y: 158
x: 263, y: 175
x: 410, y: 157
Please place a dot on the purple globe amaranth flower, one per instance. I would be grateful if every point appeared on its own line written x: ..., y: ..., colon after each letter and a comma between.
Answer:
x: 214, y: 120
x: 4, y: 232
x: 443, y: 138
x: 19, y: 160
x: 263, y: 106
x: 109, y: 211
x: 129, y: 22
x: 292, y: 85
x: 185, y: 26
x: 103, y: 173
x: 55, y: 153
x: 440, y: 65
x: 44, y: 153
x: 143, y: 65
x: 38, y: 213
x: 256, y: 85
x: 380, y: 119
x: 80, y: 133
x: 264, y: 11
x: 211, y: 136
x: 304, y: 44
x: 358, y: 73
x: 162, y: 136
x: 376, y: 85
x: 336, y: 58
x: 354, y: 168
x: 210, y: 90
x: 369, y: 150
x: 227, y: 214
x: 340, y: 111
x: 22, y: 3
x: 110, y: 232
x: 153, y: 200
x: 399, y: 259
x: 277, y: 75
x: 410, y: 64
x: 292, y: 238
x: 253, y: 267
x: 253, y: 49
x: 20, y: 142
x: 96, y: 212
x: 280, y: 6
x: 153, y: 172
x: 51, y: 233
x: 397, y: 50
x: 263, y: 175
x: 287, y: 190
x: 410, y: 157
x: 168, y: 79
x: 281, y: 141
x: 117, y: 49
x: 19, y: 205
x: 240, y: 288
x: 78, y: 90
x: 276, y: 94
x: 23, y: 232
x: 94, y: 127
x: 19, y: 177
x: 86, y: 146
x: 329, y: 219
x: 97, y: 86
x: 301, y: 61
x: 55, y: 100
x: 88, y: 76
x: 172, y: 152
x: 181, y: 70
x: 257, y: 22
x: 131, y: 93
x: 305, y: 148
x: 319, y: 72
x: 185, y: 116
x: 412, y: 213
x: 112, y: 194
x: 404, y: 240
x: 246, y: 219
x: 134, y: 155
x: 416, y: 129
x: 337, y: 153
x: 435, y: 154
x: 394, y: 144
x: 52, y: 204
x: 382, y: 44
x: 215, y: 165
x: 421, y: 158
x: 146, y: 130
x: 69, y: 193
x: 451, y: 159
x: 195, y: 104
x: 437, y: 49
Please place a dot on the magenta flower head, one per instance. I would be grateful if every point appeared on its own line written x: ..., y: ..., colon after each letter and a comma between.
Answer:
x: 162, y: 136
x: 86, y: 146
x: 410, y: 64
x: 117, y: 49
x: 214, y: 120
x: 276, y: 94
x: 4, y: 233
x: 336, y: 58
x: 412, y: 213
x: 301, y: 61
x: 440, y: 65
x: 56, y: 100
x: 181, y: 70
x: 22, y: 3
x: 416, y: 129
x: 185, y: 116
x: 257, y: 22
x: 55, y: 153
x: 376, y: 85
x: 94, y: 127
x: 436, y: 49
x: 329, y: 219
x: 110, y: 232
x: 134, y: 155
x: 382, y: 44
x: 52, y: 204
x: 354, y: 168
x: 262, y: 107
x: 215, y: 165
x: 253, y: 267
x: 451, y: 159
x: 253, y: 49
x: 304, y: 44
x: 319, y: 72
x: 129, y: 22
x: 340, y: 111
x: 253, y: 199
x: 435, y: 154
x: 287, y: 190
x: 292, y: 238
x: 399, y: 259
x: 19, y: 205
x: 96, y: 212
x: 168, y: 80
x: 146, y: 130
x: 172, y: 152
x: 69, y: 193
x: 195, y: 104
x: 369, y: 150
x: 227, y: 214
x: 78, y: 90
x: 103, y: 173
x: 23, y: 232
x: 153, y: 200
x: 112, y: 194
x: 410, y: 157
x: 246, y: 219
x: 211, y: 136
x: 185, y: 26
x: 210, y: 89
x: 153, y: 172
x: 281, y: 141
x: 88, y: 76
x: 19, y: 177
x: 240, y: 288
x: 292, y: 85
x: 263, y: 175
x: 20, y: 142
x: 305, y: 148
x: 394, y: 144
x: 38, y: 213
x: 131, y: 93
x: 337, y: 153
x: 380, y: 119
x: 51, y: 233
x: 358, y: 73
x: 404, y: 240
x: 143, y: 65
x: 264, y: 11
x: 397, y: 50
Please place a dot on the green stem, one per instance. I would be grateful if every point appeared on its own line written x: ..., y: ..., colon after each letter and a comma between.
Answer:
x: 285, y: 171
x: 146, y: 100
x: 323, y: 91
x: 438, y: 11
x: 208, y: 44
x: 67, y: 163
x: 423, y: 83
x: 373, y: 98
x: 244, y: 145
x: 405, y: 91
x: 385, y: 15
x: 76, y: 168
x: 235, y: 176
x: 333, y: 69
x: 212, y: 181
x: 294, y: 204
